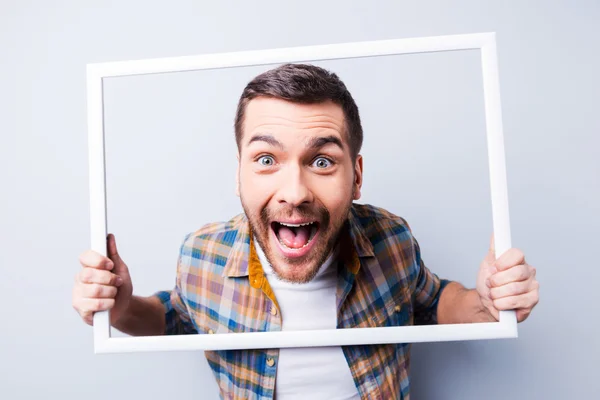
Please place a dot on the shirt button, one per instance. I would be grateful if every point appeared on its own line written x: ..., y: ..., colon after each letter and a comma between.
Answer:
x: 273, y: 310
x: 210, y: 331
x: 270, y: 362
x: 397, y: 308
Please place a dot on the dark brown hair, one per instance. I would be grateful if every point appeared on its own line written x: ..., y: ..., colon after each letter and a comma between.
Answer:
x: 302, y: 83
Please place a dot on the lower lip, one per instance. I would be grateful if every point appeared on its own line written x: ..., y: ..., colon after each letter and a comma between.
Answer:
x: 294, y: 253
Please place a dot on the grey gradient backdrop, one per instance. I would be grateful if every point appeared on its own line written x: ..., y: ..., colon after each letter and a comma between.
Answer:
x: 171, y: 168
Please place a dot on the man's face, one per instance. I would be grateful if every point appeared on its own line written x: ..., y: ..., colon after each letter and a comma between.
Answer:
x: 296, y: 181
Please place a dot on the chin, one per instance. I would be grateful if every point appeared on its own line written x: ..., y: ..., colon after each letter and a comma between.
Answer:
x: 296, y: 273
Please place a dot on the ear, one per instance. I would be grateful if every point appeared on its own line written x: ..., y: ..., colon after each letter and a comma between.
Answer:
x: 237, y: 177
x: 358, y: 176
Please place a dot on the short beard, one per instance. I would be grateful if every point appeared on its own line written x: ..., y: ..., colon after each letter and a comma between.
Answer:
x: 260, y: 231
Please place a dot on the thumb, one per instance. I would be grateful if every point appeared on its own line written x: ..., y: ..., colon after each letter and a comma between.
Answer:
x: 113, y: 253
x: 491, y: 255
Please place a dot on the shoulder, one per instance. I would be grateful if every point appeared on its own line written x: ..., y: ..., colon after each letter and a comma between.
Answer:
x: 392, y: 241
x: 220, y: 230
x: 379, y: 224
x: 214, y: 241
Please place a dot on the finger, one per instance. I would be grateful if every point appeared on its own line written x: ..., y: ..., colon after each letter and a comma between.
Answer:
x: 92, y: 259
x: 510, y: 258
x: 87, y: 306
x: 522, y: 314
x: 511, y: 289
x: 88, y: 317
x: 492, y: 245
x: 494, y: 312
x: 524, y: 301
x: 517, y: 273
x: 101, y: 277
x: 96, y: 291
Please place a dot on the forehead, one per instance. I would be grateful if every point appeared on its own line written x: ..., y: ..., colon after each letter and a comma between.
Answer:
x: 279, y: 116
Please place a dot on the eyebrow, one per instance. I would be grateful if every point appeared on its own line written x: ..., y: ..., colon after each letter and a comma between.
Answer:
x: 266, y: 138
x: 318, y: 142
x: 313, y: 143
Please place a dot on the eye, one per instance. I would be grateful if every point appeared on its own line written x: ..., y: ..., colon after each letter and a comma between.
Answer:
x: 322, y: 162
x: 266, y: 161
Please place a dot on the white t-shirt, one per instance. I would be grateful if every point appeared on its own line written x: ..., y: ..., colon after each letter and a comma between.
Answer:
x: 310, y: 373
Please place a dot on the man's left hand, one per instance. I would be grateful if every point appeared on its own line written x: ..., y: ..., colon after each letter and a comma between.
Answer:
x: 507, y: 283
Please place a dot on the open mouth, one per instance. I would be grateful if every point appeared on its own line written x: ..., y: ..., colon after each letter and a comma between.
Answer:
x: 295, y: 236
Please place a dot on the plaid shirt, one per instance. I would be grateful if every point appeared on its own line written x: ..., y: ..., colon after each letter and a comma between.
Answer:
x: 382, y: 281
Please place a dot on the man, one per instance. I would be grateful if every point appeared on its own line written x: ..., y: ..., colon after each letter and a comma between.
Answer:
x: 303, y: 255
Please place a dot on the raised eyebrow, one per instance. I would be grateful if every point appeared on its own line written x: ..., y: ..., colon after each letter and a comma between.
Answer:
x: 267, y: 139
x: 318, y: 142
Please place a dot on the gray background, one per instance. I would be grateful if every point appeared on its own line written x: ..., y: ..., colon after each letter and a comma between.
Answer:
x: 171, y: 166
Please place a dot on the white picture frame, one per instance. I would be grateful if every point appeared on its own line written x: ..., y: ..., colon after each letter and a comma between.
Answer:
x: 506, y: 327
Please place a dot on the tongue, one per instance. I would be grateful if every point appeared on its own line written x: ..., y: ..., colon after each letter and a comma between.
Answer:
x: 293, y: 239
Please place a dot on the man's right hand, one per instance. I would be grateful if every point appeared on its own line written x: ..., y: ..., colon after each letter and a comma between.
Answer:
x: 102, y: 284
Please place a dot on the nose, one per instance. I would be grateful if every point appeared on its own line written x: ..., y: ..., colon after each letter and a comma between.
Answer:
x: 293, y: 188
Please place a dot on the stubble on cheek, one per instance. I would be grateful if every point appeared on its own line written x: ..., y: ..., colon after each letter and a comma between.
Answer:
x: 298, y: 270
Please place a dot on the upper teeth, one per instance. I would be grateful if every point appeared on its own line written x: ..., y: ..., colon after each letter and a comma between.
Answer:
x: 295, y: 225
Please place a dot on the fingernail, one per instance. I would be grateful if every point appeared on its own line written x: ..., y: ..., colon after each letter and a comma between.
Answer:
x: 119, y: 281
x: 110, y: 265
